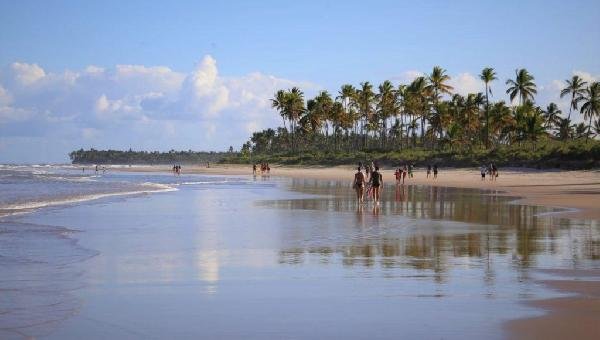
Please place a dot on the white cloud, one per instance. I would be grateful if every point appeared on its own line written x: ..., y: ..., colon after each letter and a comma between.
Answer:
x: 408, y: 76
x: 27, y: 74
x: 586, y: 76
x: 465, y: 83
x: 5, y: 97
x: 149, y: 107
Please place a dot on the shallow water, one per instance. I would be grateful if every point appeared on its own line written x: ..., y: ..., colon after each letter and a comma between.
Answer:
x: 272, y: 258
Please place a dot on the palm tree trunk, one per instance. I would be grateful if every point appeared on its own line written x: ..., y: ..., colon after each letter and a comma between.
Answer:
x: 589, y: 130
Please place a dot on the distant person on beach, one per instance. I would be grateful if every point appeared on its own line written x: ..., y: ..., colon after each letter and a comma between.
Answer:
x: 368, y: 171
x: 435, y: 171
x: 254, y: 169
x: 428, y: 170
x: 398, y: 175
x: 376, y: 183
x: 483, y: 170
x: 359, y: 185
x: 410, y: 171
x: 83, y: 169
x: 404, y: 173
x: 360, y: 165
x: 494, y: 172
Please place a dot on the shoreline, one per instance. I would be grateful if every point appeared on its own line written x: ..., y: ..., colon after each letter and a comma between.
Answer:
x: 578, y: 189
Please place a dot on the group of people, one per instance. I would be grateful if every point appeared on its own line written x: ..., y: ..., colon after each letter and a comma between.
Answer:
x: 264, y: 168
x: 372, y: 182
x: 177, y: 170
x: 491, y: 170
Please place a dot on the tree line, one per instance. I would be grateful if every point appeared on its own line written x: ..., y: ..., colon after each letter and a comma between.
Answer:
x: 427, y: 114
x: 94, y: 156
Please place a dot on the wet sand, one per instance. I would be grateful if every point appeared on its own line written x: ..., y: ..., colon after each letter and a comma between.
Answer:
x: 573, y: 317
x: 578, y: 190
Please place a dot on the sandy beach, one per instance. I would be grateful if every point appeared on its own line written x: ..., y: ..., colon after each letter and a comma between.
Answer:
x: 578, y: 191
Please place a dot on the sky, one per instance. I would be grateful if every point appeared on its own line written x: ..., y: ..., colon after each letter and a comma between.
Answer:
x: 198, y: 75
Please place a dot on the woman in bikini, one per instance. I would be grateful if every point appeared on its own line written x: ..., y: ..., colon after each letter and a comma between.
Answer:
x: 359, y: 185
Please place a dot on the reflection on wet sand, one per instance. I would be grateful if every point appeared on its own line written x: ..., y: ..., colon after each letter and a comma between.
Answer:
x: 436, y: 228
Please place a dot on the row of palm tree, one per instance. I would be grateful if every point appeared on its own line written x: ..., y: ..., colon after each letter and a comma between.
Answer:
x: 428, y: 114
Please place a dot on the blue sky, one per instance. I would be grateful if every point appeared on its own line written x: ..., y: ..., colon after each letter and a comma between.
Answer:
x: 198, y: 75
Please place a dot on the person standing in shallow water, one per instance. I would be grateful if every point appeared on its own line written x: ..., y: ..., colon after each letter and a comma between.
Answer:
x: 359, y: 185
x: 435, y: 171
x: 376, y: 183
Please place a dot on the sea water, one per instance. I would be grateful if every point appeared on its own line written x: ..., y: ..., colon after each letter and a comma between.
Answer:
x: 265, y: 257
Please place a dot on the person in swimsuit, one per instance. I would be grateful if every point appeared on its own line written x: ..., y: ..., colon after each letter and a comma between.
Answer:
x: 254, y: 169
x: 435, y: 171
x: 428, y: 170
x: 398, y: 175
x: 376, y: 184
x: 483, y: 170
x: 359, y: 185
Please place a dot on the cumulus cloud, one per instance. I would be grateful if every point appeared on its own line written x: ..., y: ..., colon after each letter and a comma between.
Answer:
x: 26, y: 74
x: 138, y: 106
x: 586, y: 76
x: 465, y: 83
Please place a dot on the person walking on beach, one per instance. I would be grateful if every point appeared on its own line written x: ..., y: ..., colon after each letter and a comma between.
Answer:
x: 398, y: 175
x: 435, y: 171
x: 410, y: 171
x: 359, y: 185
x: 368, y: 171
x: 483, y: 170
x: 254, y: 169
x: 404, y: 173
x: 376, y: 183
x: 428, y: 170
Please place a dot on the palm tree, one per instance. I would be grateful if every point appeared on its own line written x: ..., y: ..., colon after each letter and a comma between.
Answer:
x: 347, y: 96
x: 564, y: 129
x: 437, y: 81
x: 387, y: 106
x: 551, y: 115
x: 591, y: 104
x: 278, y: 103
x: 365, y: 98
x: 294, y: 108
x: 576, y: 88
x: 523, y: 86
x: 487, y: 75
x: 597, y: 127
x: 417, y: 100
x: 503, y: 121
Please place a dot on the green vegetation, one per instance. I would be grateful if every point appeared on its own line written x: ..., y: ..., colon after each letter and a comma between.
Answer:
x: 93, y: 156
x: 425, y: 122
